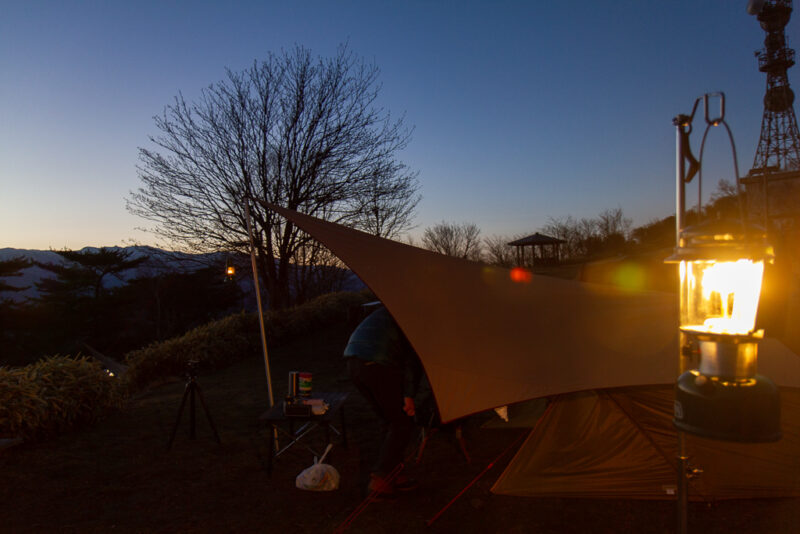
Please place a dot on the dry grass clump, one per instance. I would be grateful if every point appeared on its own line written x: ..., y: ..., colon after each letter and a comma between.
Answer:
x: 53, y: 394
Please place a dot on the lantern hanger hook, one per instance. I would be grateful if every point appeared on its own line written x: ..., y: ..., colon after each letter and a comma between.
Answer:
x: 684, y: 124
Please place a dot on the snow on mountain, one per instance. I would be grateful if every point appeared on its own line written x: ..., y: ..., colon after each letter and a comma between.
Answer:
x: 159, y: 261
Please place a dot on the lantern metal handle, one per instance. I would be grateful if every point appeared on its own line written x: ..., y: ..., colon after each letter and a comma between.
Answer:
x: 706, y: 97
x: 684, y: 128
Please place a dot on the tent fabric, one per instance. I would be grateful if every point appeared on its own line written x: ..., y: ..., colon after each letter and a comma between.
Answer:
x: 487, y: 341
x: 621, y: 443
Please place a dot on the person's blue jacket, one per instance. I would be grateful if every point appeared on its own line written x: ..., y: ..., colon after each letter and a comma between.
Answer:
x: 379, y: 340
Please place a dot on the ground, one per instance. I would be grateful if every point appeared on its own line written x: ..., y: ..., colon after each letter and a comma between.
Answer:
x: 117, y: 476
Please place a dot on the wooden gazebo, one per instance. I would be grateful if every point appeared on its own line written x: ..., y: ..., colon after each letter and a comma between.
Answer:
x: 544, y: 250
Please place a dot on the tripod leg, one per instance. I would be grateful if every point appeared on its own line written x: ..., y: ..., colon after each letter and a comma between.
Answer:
x: 208, y: 414
x: 178, y: 419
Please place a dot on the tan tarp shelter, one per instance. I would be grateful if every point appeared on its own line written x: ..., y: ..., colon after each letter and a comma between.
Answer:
x: 487, y: 341
x: 621, y: 443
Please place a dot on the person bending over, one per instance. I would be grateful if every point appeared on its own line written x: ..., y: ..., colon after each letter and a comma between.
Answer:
x: 385, y: 369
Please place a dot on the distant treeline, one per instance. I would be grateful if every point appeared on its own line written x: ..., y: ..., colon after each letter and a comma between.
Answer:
x: 609, y: 234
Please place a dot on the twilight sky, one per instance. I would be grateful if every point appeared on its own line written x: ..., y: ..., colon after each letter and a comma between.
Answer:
x: 522, y: 109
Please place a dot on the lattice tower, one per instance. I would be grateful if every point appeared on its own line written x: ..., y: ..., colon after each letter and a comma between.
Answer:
x: 779, y: 145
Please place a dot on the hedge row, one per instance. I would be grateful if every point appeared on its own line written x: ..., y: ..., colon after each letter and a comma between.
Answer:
x: 220, y: 343
x: 46, y: 397
x: 59, y: 392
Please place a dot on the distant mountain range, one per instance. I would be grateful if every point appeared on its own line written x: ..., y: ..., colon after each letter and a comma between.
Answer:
x: 158, y: 262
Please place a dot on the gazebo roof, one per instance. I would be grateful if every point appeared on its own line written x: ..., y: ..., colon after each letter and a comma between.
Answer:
x: 536, y: 239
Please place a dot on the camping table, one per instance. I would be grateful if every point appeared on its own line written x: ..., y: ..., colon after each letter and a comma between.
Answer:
x: 277, y: 420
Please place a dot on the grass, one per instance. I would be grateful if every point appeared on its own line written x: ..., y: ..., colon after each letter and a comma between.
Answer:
x: 117, y: 476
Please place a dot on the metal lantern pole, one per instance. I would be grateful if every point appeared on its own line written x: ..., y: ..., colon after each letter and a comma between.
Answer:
x: 720, y: 395
x: 683, y: 128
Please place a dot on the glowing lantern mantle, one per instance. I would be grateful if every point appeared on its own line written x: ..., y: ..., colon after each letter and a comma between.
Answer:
x: 722, y: 397
x: 722, y: 297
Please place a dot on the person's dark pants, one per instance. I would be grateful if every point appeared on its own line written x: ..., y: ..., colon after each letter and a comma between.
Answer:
x: 382, y: 386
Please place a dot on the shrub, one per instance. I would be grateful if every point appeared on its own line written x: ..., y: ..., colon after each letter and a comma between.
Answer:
x: 216, y: 345
x: 54, y: 394
x: 223, y: 342
x: 59, y: 392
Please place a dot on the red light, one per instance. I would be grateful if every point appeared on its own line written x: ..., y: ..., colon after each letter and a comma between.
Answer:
x: 521, y: 276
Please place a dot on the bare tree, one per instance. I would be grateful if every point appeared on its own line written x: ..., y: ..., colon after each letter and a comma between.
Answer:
x: 613, y: 230
x: 612, y: 223
x: 387, y: 206
x: 725, y: 189
x: 498, y: 252
x: 606, y: 234
x: 298, y: 132
x: 569, y: 230
x: 724, y: 201
x: 459, y: 240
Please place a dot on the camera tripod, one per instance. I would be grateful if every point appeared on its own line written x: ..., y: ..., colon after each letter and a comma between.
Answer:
x: 192, y: 389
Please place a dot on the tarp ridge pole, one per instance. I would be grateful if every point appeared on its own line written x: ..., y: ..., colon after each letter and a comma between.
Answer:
x: 258, y: 301
x: 261, y: 325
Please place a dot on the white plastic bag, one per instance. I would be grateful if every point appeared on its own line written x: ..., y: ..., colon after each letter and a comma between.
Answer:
x: 320, y: 476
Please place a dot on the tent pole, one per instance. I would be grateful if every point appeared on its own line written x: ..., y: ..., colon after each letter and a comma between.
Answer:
x: 258, y: 301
